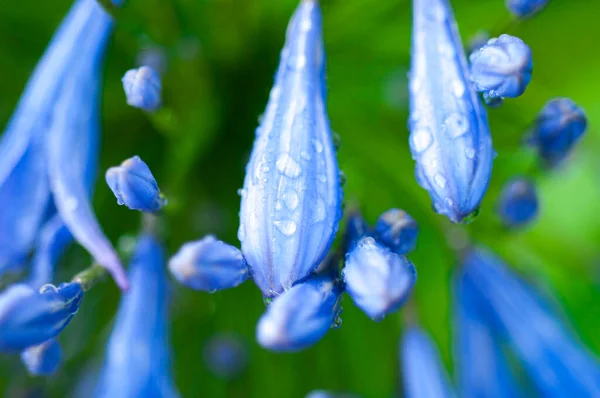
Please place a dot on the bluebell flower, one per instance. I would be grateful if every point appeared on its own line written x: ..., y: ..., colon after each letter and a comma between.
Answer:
x: 48, y: 152
x: 301, y: 316
x: 226, y: 355
x: 43, y: 359
x: 209, y: 265
x: 378, y: 280
x: 137, y: 360
x: 482, y: 368
x: 397, y: 230
x: 29, y: 318
x: 450, y: 138
x: 557, y: 363
x: 143, y: 88
x: 502, y: 67
x: 525, y: 8
x: 134, y: 186
x: 558, y: 127
x: 423, y: 373
x: 518, y: 202
x: 291, y: 200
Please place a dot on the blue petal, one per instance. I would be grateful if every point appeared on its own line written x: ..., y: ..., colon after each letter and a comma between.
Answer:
x: 558, y: 364
x: 397, y: 230
x: 72, y: 148
x: 43, y: 359
x: 209, y: 265
x: 502, y: 67
x: 30, y: 318
x: 301, y: 316
x: 143, y: 88
x: 525, y: 8
x: 422, y: 370
x: 378, y: 280
x: 134, y: 186
x: 518, y: 202
x: 137, y: 361
x: 291, y: 201
x: 450, y: 138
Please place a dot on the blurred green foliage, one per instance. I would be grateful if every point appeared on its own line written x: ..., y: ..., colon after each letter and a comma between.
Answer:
x: 222, y: 56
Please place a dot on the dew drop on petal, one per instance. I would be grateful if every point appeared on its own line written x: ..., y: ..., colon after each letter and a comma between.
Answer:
x: 422, y: 139
x: 241, y: 234
x: 440, y: 180
x: 322, y: 178
x: 286, y: 227
x: 291, y: 199
x: 305, y: 155
x: 318, y: 146
x: 470, y: 153
x: 456, y: 124
x: 288, y: 166
x: 319, y: 211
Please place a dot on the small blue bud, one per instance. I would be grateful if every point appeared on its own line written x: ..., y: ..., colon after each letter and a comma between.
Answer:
x: 209, y: 265
x: 292, y: 199
x: 525, y: 8
x: 226, y: 355
x: 29, y: 318
x: 300, y: 316
x: 143, y: 88
x: 558, y: 364
x: 356, y: 229
x: 43, y: 359
x: 134, y: 186
x: 422, y: 370
x: 558, y: 127
x: 450, y: 138
x: 502, y: 68
x: 397, y: 230
x: 327, y: 394
x: 378, y: 280
x: 518, y: 202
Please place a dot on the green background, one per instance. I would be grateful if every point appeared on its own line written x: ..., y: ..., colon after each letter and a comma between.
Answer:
x: 222, y: 57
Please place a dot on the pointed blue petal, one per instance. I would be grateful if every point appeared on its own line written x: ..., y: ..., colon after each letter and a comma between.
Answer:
x: 291, y: 201
x: 43, y: 359
x: 450, y: 138
x: 137, y: 361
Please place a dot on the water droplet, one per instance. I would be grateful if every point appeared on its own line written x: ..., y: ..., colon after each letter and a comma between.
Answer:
x: 421, y: 139
x: 440, y: 180
x: 319, y: 211
x: 241, y: 234
x: 47, y: 288
x: 343, y: 178
x: 449, y: 201
x: 275, y: 93
x: 470, y: 153
x: 297, y: 62
x: 305, y: 155
x: 291, y: 199
x: 337, y: 140
x: 278, y: 205
x: 286, y: 227
x: 434, y: 163
x: 254, y: 223
x: 337, y: 322
x: 318, y: 146
x: 322, y: 178
x: 288, y: 166
x: 242, y: 192
x: 456, y: 124
x: 458, y: 87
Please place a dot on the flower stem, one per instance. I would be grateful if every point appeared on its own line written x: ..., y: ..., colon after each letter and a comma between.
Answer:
x: 89, y: 277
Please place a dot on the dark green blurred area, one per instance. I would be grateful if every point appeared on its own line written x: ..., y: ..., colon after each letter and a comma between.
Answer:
x: 222, y: 57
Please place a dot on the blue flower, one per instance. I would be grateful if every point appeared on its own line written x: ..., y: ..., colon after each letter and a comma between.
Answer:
x: 134, y: 186
x: 29, y: 318
x: 143, y: 88
x: 450, y: 138
x: 518, y: 202
x: 483, y: 370
x: 525, y: 8
x: 502, y: 67
x: 422, y: 371
x: 378, y: 280
x: 137, y: 361
x: 557, y: 363
x: 301, y: 316
x: 209, y: 265
x: 356, y: 229
x: 226, y: 355
x: 397, y: 230
x: 291, y: 200
x: 43, y: 359
x: 558, y: 127
x: 49, y: 149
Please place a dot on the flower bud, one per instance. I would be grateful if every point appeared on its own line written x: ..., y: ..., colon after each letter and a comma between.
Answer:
x: 525, y: 8
x: 43, y: 359
x: 558, y: 127
x: 502, y: 67
x: 378, y: 280
x: 397, y: 230
x: 300, y: 316
x: 134, y: 186
x: 450, y: 138
x: 209, y: 265
x: 143, y: 88
x: 518, y: 202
